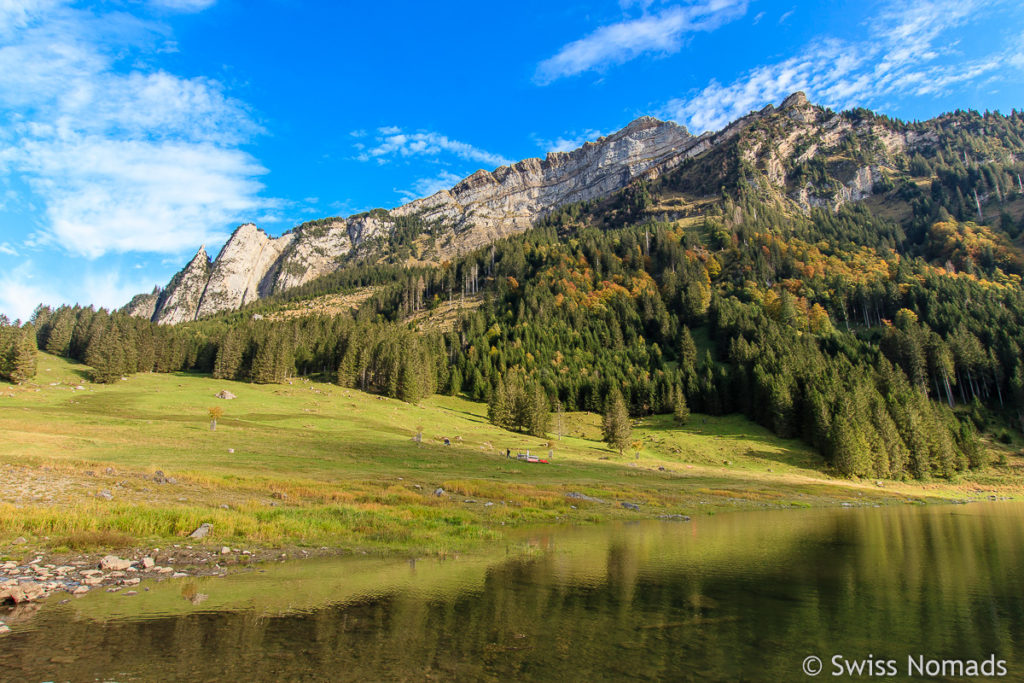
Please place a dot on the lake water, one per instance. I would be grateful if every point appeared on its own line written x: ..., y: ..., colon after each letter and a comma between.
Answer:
x: 737, y: 597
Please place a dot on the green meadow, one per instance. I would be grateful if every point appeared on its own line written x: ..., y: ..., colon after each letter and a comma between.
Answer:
x: 310, y: 464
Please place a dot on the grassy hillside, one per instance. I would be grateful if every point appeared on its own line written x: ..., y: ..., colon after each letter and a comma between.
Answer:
x: 319, y: 465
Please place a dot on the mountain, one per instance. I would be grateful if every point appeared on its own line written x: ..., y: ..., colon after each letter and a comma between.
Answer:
x: 482, y: 208
x: 845, y: 278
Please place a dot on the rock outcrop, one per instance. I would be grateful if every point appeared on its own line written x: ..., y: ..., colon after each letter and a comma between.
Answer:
x: 490, y: 205
x: 179, y: 302
x: 480, y: 209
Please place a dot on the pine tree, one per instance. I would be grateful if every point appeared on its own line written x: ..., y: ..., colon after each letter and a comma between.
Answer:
x: 454, y: 381
x: 61, y: 326
x: 616, y: 427
x: 680, y: 410
x: 499, y: 407
x: 538, y: 413
x: 106, y: 355
x: 229, y: 355
x: 20, y: 365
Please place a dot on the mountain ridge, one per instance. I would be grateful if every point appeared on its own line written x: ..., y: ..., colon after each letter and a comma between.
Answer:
x: 490, y: 205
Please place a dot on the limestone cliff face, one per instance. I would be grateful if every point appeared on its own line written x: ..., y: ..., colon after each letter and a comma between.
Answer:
x: 318, y: 247
x: 143, y: 305
x: 490, y: 205
x: 480, y: 209
x: 238, y: 273
x: 179, y: 301
x: 784, y: 152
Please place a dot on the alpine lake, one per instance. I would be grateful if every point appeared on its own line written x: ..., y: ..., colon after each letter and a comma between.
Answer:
x: 912, y: 592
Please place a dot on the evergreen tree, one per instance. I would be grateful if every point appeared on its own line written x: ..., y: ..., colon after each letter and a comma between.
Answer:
x: 60, y: 326
x: 106, y: 355
x: 228, y: 362
x: 616, y: 427
x: 20, y: 363
x: 679, y: 408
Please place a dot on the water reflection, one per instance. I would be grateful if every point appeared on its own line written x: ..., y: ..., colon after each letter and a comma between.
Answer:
x: 733, y: 597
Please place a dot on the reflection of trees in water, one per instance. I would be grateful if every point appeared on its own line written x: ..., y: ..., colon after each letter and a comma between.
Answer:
x: 888, y: 583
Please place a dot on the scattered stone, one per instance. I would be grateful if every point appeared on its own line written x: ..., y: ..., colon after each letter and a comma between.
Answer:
x: 202, y: 531
x: 115, y: 563
x: 231, y: 450
x: 20, y: 540
x: 105, y: 495
x: 80, y: 590
x: 178, y: 575
x: 130, y: 582
x: 225, y: 550
x: 582, y: 496
x: 130, y: 593
x: 631, y: 506
x: 675, y: 518
x: 279, y: 495
x: 439, y: 492
x: 225, y: 394
x: 148, y: 563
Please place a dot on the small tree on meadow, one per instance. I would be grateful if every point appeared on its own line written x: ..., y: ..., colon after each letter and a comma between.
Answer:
x: 216, y: 413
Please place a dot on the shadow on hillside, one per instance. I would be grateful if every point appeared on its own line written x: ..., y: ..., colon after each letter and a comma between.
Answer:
x: 755, y: 443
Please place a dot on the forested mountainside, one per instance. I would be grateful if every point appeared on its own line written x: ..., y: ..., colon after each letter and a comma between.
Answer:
x: 848, y: 279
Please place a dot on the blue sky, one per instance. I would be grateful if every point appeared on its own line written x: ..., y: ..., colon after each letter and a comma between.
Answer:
x: 132, y: 132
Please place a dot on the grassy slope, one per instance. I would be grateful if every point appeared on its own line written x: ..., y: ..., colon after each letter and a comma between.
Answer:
x: 317, y: 464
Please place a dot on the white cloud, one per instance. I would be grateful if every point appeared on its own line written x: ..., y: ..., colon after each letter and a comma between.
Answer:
x: 424, y: 187
x: 27, y: 285
x: 6, y: 248
x: 621, y: 42
x: 123, y: 157
x: 901, y: 56
x: 569, y: 141
x: 392, y: 142
x: 20, y: 293
x: 183, y: 5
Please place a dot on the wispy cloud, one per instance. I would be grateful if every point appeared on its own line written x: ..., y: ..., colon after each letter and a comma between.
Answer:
x: 392, y: 142
x: 122, y: 156
x: 902, y: 55
x: 183, y: 5
x: 424, y: 187
x: 568, y: 141
x: 621, y: 42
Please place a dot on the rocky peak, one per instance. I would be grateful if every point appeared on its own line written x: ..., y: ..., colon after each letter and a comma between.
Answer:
x: 489, y: 205
x: 180, y: 300
x: 797, y: 99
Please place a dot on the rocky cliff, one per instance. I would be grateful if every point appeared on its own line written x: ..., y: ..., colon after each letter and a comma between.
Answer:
x: 480, y: 209
x: 776, y: 150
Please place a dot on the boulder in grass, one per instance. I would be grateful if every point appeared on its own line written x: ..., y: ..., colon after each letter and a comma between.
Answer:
x: 202, y: 531
x: 225, y: 394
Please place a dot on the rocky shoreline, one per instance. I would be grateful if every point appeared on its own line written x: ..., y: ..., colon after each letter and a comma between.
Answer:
x: 25, y: 584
